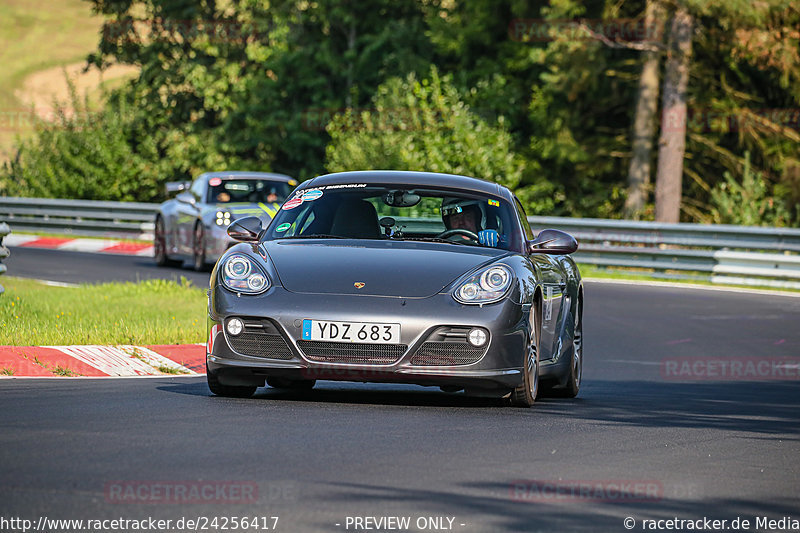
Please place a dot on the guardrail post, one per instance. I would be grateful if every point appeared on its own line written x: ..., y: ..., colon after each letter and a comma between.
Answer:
x: 4, y: 230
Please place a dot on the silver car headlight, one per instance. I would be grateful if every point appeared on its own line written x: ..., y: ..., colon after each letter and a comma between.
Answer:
x: 223, y: 218
x: 240, y: 274
x: 487, y: 286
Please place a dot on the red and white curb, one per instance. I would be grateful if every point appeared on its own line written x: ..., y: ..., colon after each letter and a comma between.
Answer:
x: 103, y: 246
x: 102, y: 361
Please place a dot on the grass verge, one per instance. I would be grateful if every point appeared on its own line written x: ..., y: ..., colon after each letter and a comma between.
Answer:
x: 147, y: 312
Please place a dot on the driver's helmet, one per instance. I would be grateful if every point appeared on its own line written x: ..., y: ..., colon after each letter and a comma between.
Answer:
x: 451, y: 206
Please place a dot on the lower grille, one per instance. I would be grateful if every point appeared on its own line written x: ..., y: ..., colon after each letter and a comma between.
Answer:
x: 354, y: 353
x: 435, y: 353
x: 260, y: 345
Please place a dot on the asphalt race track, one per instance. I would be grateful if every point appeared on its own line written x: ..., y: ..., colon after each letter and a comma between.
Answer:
x: 83, y: 267
x: 641, y: 441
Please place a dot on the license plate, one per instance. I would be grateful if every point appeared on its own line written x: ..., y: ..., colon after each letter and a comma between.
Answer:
x: 368, y: 332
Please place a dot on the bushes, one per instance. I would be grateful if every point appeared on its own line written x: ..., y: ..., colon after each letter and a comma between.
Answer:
x: 422, y: 125
x: 85, y: 155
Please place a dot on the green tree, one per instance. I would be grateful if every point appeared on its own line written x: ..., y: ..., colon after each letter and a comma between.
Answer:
x: 85, y: 155
x: 422, y: 125
x: 747, y: 202
x: 228, y: 85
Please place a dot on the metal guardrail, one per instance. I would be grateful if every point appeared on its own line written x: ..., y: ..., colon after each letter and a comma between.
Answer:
x: 719, y: 253
x: 4, y: 230
x: 130, y: 220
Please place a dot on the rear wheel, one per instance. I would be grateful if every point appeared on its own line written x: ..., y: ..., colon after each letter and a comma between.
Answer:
x: 293, y: 384
x: 229, y: 391
x: 525, y: 395
x: 573, y: 382
x: 199, y: 248
x: 160, y: 245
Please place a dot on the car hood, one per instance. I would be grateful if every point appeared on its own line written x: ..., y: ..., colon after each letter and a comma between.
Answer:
x: 399, y: 269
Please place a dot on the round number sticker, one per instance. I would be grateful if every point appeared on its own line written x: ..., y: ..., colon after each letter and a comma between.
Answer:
x: 310, y: 196
x: 291, y: 204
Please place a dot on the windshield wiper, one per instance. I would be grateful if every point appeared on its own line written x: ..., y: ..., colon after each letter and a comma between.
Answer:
x: 428, y: 239
x: 316, y: 236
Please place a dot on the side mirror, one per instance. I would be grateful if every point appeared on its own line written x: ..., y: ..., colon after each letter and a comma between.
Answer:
x: 186, y: 198
x: 553, y: 242
x: 247, y: 229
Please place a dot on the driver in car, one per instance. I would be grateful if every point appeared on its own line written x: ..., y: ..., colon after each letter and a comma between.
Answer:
x: 465, y: 214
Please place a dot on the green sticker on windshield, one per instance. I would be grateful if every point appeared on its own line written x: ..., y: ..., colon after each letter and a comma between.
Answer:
x: 283, y: 227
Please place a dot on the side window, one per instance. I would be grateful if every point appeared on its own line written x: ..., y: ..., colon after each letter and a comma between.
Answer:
x: 198, y: 189
x: 523, y: 218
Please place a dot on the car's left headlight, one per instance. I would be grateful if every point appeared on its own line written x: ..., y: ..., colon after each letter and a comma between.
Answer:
x: 240, y: 273
x: 223, y: 218
x: 487, y: 286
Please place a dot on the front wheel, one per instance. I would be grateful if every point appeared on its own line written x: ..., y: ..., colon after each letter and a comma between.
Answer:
x: 199, y: 248
x: 160, y: 245
x: 228, y: 391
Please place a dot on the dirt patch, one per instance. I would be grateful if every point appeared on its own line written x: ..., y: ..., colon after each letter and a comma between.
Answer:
x: 42, y: 88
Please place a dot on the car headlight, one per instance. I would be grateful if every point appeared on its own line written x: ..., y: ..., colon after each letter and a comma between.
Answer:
x: 241, y: 274
x: 485, y: 287
x: 223, y: 218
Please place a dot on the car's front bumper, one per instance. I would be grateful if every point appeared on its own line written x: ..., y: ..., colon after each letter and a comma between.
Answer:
x: 422, y: 319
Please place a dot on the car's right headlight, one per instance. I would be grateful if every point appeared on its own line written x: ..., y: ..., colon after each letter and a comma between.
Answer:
x: 487, y: 286
x: 239, y: 273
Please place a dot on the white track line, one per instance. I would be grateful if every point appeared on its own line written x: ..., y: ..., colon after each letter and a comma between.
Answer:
x: 673, y: 285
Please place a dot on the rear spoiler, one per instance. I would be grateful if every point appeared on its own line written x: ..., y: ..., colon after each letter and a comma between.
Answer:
x: 178, y: 186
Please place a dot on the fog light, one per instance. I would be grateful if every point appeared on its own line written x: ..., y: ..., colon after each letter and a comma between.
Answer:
x: 235, y: 326
x: 477, y: 337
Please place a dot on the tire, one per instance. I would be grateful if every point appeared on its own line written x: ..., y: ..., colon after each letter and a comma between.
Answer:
x: 525, y: 395
x: 292, y: 384
x: 228, y: 391
x: 199, y: 248
x: 160, y: 245
x: 572, y: 385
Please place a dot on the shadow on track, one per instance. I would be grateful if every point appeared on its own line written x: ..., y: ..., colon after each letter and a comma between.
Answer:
x: 760, y: 408
x: 764, y: 408
x: 349, y: 393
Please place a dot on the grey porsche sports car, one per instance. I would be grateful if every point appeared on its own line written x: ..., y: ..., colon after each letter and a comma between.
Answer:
x: 390, y: 276
x: 193, y: 224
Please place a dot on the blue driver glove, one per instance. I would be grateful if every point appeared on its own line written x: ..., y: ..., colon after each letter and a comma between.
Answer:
x: 489, y: 237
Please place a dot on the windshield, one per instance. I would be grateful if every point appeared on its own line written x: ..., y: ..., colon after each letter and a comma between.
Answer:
x: 396, y: 212
x: 247, y: 190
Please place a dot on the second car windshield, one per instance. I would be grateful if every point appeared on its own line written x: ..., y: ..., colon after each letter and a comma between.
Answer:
x: 253, y: 191
x: 398, y: 213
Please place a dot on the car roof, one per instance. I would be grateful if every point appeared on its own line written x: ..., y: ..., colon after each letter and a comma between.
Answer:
x: 411, y: 178
x: 246, y: 174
